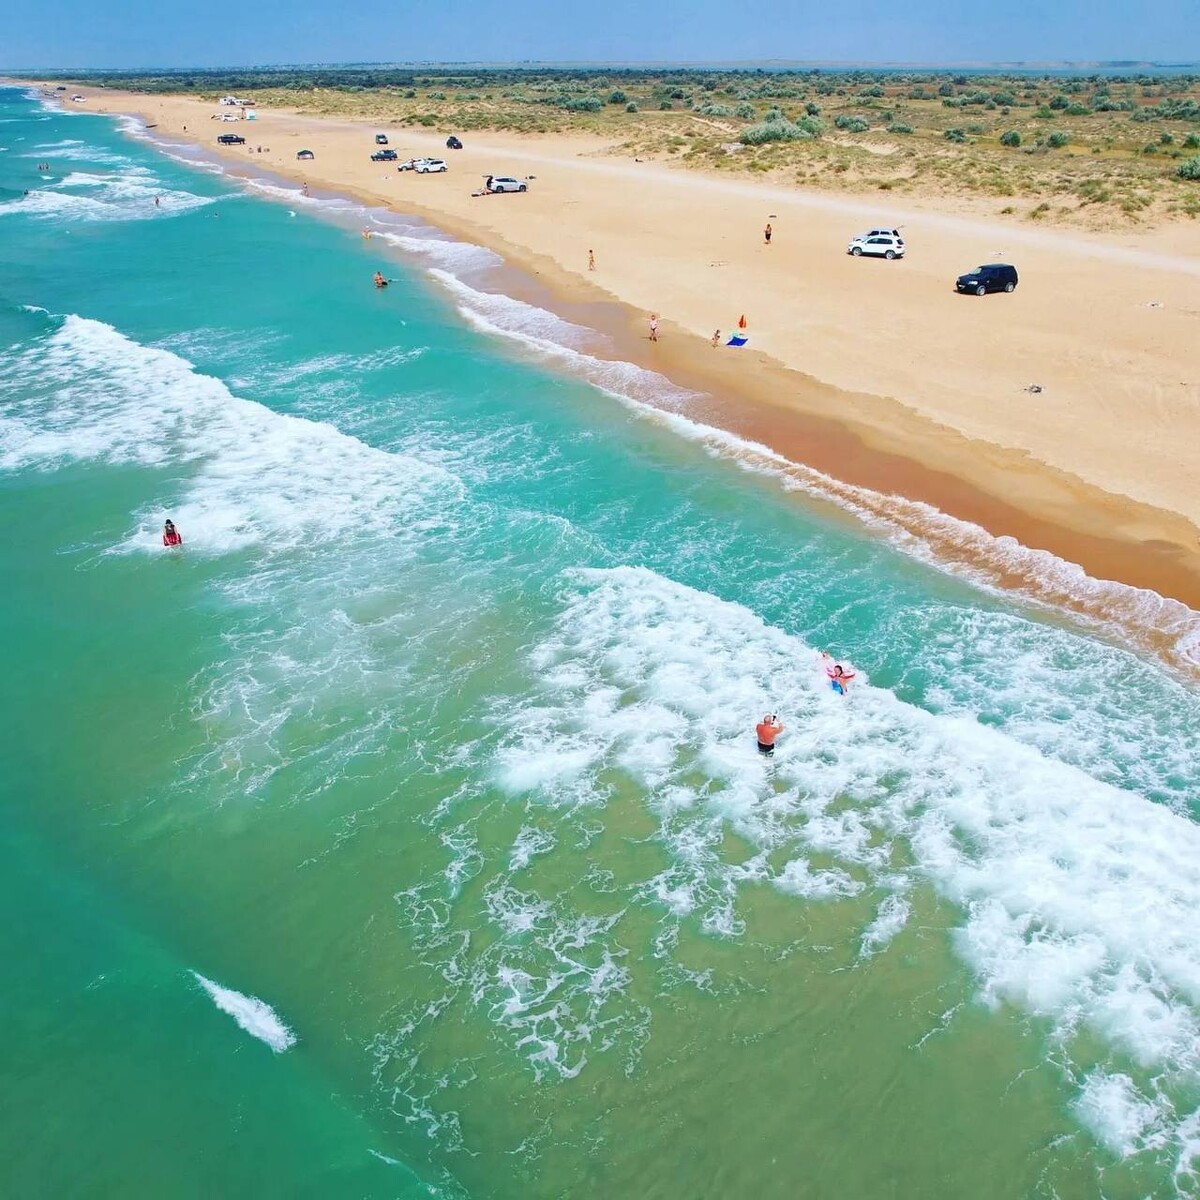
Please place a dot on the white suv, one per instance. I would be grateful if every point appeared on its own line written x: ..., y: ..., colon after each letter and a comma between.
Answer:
x: 429, y: 166
x: 884, y: 243
x: 505, y: 183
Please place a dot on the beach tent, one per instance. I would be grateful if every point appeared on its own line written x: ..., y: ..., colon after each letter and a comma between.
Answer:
x: 306, y: 154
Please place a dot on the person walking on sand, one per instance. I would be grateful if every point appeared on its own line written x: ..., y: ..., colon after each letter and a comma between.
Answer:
x: 767, y: 730
x: 654, y: 327
x: 304, y: 190
x: 767, y: 233
x: 716, y: 338
x: 591, y: 260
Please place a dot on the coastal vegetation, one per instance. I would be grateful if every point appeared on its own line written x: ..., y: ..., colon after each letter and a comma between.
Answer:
x: 1104, y: 148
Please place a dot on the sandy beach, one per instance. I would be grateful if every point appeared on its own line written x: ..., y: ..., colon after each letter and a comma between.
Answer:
x: 1065, y: 415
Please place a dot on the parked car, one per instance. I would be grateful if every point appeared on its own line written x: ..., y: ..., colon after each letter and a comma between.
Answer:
x: 231, y: 139
x: 410, y: 164
x: 991, y: 277
x: 381, y: 139
x: 429, y: 166
x: 384, y: 156
x: 882, y: 245
x: 452, y: 143
x: 505, y: 183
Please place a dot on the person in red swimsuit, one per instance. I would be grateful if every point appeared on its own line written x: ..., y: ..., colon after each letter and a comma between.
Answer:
x: 768, y: 729
x: 171, y: 536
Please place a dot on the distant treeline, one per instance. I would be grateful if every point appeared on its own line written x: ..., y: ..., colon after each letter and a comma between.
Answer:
x: 764, y: 82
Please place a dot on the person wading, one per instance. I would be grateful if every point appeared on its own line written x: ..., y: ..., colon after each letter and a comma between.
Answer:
x: 768, y: 729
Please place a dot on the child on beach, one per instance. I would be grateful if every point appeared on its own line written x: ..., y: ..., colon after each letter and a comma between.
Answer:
x: 654, y: 327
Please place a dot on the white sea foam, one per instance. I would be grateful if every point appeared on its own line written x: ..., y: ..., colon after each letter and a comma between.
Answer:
x: 1077, y: 898
x: 257, y: 1018
x: 551, y: 339
x: 999, y: 564
x: 252, y: 476
x: 90, y: 196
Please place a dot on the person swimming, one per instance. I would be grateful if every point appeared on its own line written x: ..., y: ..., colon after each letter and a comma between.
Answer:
x: 839, y: 678
x: 767, y: 730
x: 171, y: 535
x: 380, y: 281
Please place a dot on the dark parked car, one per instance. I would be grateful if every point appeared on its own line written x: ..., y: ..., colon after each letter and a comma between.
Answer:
x: 991, y: 277
x: 384, y: 156
x: 381, y: 139
x: 452, y: 143
x: 231, y: 139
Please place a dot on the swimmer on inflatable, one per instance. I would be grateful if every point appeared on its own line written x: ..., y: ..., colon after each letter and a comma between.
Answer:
x: 171, y: 535
x: 768, y: 729
x: 380, y: 282
x: 839, y: 677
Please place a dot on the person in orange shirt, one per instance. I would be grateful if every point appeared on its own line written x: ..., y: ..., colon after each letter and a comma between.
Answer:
x: 768, y: 729
x: 171, y: 535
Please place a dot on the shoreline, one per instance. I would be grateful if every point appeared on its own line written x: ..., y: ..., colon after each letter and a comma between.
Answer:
x: 883, y: 460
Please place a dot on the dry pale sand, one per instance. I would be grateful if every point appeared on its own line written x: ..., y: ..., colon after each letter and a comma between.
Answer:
x: 1102, y: 466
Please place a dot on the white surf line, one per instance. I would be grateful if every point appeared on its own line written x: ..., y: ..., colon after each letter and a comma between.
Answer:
x: 255, y: 1016
x: 947, y: 543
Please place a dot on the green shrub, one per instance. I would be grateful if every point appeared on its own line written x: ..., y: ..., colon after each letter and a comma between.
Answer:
x: 955, y: 135
x: 1166, y: 139
x: 1044, y: 114
x: 1078, y: 110
x: 899, y: 127
x: 745, y: 110
x: 617, y: 97
x: 437, y: 95
x: 1149, y: 148
x: 851, y: 124
x: 1189, y: 169
x: 1058, y: 139
x: 1191, y: 142
x: 1059, y: 102
x: 631, y: 107
x: 714, y: 110
x: 1010, y: 137
x: 781, y: 131
x: 812, y: 110
x: 666, y: 105
x: 582, y: 104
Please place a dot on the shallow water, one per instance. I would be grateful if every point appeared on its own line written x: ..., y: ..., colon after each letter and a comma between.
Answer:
x: 403, y: 835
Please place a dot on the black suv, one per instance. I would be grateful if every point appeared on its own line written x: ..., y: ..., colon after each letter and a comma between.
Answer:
x: 452, y: 143
x: 231, y: 139
x: 384, y: 156
x: 991, y: 277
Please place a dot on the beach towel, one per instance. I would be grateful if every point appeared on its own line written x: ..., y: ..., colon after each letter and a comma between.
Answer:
x: 737, y: 341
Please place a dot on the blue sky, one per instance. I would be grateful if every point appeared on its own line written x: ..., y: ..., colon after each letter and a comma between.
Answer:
x: 132, y: 33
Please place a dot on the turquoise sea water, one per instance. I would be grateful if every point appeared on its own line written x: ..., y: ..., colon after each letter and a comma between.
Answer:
x: 405, y: 835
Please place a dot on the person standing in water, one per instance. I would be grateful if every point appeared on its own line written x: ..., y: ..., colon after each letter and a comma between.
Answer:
x: 171, y: 535
x: 767, y: 730
x: 380, y: 282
